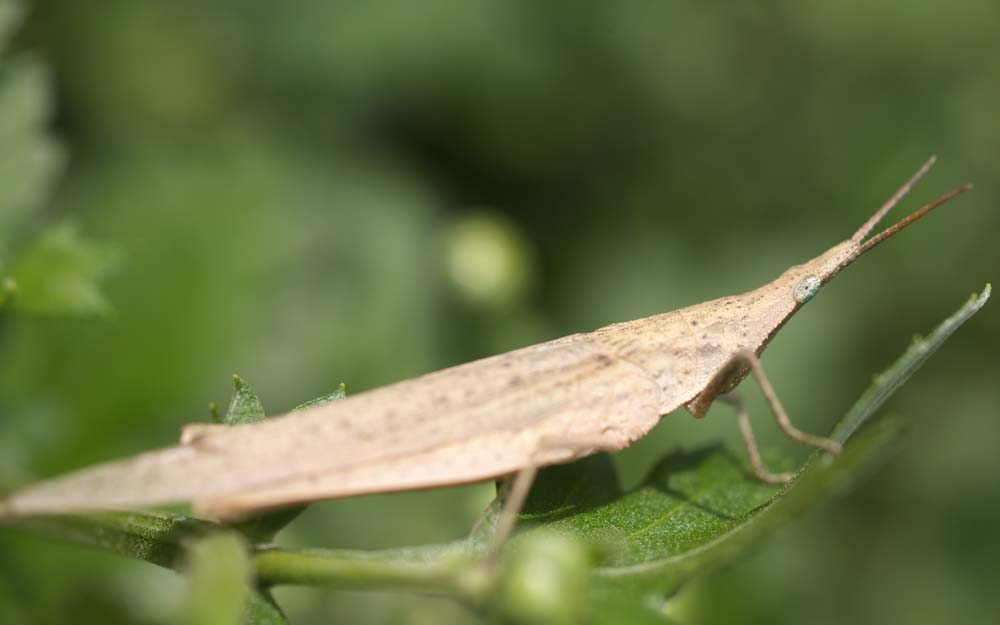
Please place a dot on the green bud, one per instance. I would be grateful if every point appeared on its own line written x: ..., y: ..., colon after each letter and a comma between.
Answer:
x: 544, y: 580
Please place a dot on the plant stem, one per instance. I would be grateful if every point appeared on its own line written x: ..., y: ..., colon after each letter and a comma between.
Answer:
x: 453, y: 571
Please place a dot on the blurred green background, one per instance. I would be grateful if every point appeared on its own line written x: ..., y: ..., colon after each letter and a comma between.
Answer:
x: 315, y: 192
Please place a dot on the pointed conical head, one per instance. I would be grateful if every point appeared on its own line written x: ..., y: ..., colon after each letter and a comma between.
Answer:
x: 808, y: 277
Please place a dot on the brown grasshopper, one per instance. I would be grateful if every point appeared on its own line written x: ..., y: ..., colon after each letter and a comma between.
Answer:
x: 508, y: 414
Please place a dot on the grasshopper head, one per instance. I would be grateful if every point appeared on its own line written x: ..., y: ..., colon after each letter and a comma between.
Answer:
x: 810, y: 276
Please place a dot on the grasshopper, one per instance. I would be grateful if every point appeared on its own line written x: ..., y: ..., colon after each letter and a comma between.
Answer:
x: 501, y: 416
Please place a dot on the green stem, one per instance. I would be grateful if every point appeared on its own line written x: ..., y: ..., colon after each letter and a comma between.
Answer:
x: 452, y: 571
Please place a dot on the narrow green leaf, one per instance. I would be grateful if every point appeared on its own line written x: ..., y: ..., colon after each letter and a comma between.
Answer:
x: 895, y: 376
x: 244, y: 407
x: 58, y: 274
x: 219, y: 576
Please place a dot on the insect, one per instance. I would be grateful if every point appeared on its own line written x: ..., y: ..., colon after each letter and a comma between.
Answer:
x: 500, y: 416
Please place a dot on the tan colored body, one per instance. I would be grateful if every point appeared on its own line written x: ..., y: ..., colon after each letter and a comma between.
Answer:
x: 477, y: 421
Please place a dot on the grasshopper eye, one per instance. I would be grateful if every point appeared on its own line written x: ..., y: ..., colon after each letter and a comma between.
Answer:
x: 806, y: 289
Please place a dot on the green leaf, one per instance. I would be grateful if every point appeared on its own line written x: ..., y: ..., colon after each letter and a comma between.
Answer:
x: 219, y: 576
x: 263, y: 527
x: 340, y: 393
x: 29, y: 158
x: 629, y: 551
x: 59, y: 273
x: 889, y: 381
x: 56, y: 272
x: 261, y: 609
x: 701, y: 508
x: 159, y: 538
x: 151, y: 536
x: 244, y: 406
x: 695, y: 510
x: 698, y: 509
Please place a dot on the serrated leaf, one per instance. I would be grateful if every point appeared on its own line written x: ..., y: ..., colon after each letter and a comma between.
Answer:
x: 340, y: 393
x: 244, y: 406
x: 262, y: 528
x: 59, y: 272
x: 219, y: 576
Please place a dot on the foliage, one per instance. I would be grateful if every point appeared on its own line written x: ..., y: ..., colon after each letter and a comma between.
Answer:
x: 57, y: 272
x: 295, y: 190
x: 218, y: 573
x: 582, y: 536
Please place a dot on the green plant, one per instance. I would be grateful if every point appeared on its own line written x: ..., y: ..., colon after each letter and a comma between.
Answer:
x: 586, y: 550
x: 48, y: 270
x: 816, y: 112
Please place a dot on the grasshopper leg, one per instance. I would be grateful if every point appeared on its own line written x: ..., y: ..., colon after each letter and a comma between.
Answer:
x: 756, y: 463
x: 826, y: 444
x: 517, y: 489
x: 750, y: 359
x: 519, y: 485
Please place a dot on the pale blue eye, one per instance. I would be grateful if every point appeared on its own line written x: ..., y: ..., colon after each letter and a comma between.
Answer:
x: 806, y: 289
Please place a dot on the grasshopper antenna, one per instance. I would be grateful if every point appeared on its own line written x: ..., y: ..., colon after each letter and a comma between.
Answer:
x: 868, y: 226
x: 912, y: 217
